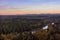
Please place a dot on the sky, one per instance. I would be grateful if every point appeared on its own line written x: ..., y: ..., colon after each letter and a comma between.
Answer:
x: 17, y: 7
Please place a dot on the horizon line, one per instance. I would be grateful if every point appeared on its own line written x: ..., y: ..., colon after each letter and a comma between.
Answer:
x: 31, y: 14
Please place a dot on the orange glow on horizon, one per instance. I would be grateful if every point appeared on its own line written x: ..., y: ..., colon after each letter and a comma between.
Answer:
x: 28, y: 12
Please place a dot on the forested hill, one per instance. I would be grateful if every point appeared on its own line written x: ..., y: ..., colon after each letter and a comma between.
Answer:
x: 20, y: 23
x: 20, y: 27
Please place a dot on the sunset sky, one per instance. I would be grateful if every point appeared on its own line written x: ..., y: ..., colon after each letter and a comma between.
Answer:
x: 13, y: 7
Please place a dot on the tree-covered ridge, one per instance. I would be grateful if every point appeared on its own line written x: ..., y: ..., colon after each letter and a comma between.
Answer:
x: 19, y: 25
x: 29, y: 29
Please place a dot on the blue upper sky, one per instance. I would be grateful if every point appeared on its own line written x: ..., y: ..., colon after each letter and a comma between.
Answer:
x: 28, y: 2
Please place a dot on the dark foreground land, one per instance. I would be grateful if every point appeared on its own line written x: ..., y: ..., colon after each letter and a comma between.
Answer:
x: 30, y: 27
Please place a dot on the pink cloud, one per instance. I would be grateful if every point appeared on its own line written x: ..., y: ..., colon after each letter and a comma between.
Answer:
x: 3, y: 7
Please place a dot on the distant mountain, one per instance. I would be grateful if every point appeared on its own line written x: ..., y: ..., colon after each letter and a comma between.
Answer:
x: 30, y: 16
